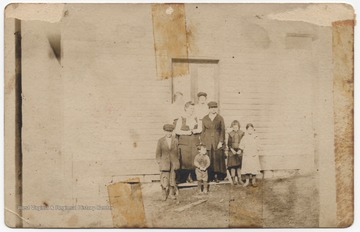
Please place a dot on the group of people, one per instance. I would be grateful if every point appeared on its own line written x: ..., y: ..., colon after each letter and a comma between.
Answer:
x: 194, y: 148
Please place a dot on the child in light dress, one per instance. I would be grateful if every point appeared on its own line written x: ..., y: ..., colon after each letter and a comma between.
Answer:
x: 251, y: 162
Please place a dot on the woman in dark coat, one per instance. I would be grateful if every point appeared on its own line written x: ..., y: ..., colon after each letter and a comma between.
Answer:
x: 188, y: 128
x: 213, y: 136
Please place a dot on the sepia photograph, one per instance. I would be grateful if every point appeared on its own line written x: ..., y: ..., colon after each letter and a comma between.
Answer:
x: 179, y: 115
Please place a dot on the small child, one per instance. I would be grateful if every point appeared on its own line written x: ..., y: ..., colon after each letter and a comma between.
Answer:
x: 235, y: 153
x: 251, y: 161
x: 168, y: 159
x: 202, y: 162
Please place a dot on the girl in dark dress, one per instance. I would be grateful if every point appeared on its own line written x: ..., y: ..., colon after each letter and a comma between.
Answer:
x: 235, y: 153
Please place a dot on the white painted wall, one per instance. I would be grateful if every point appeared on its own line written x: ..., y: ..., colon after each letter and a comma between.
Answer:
x: 99, y: 113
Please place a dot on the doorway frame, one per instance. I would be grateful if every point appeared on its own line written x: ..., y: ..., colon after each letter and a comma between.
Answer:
x: 197, y: 61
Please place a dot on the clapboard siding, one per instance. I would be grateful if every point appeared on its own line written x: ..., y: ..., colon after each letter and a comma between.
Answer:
x: 267, y: 92
x: 98, y: 114
x: 120, y: 93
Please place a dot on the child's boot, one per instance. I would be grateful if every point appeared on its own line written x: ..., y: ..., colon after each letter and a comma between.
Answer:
x: 216, y: 179
x: 164, y: 194
x: 206, y: 186
x: 199, y: 186
x: 253, y: 181
x: 172, y: 193
x: 240, y: 182
x: 176, y: 191
x: 189, y: 179
x: 239, y: 176
x: 233, y: 180
x: 246, y: 182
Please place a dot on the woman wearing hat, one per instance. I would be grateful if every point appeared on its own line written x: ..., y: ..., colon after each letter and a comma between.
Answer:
x: 201, y: 109
x: 213, y: 136
x: 188, y: 128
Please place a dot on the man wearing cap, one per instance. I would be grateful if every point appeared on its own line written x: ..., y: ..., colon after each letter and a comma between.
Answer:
x: 213, y: 136
x: 201, y: 109
x: 168, y: 160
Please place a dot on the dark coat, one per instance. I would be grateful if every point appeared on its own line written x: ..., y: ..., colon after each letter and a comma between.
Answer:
x: 232, y: 143
x: 187, y: 146
x: 168, y: 159
x: 213, y: 132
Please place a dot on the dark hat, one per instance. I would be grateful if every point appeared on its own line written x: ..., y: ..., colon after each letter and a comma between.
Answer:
x: 212, y: 104
x: 168, y: 127
x: 202, y: 94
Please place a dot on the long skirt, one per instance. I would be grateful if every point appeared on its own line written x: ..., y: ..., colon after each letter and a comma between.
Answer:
x: 217, y: 160
x: 250, y: 164
x: 188, y: 150
x: 234, y: 160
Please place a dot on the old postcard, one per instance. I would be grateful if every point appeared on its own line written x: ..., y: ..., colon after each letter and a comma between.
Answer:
x: 179, y: 115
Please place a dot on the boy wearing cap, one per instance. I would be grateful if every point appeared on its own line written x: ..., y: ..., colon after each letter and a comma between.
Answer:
x: 168, y: 160
x: 202, y: 162
x: 201, y: 109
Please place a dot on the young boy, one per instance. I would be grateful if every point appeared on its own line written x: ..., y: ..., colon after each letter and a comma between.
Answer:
x: 168, y: 160
x: 202, y: 162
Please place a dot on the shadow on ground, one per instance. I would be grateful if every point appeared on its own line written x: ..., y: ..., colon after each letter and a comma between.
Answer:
x: 291, y: 202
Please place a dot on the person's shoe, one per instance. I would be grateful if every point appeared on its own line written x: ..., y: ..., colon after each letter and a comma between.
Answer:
x: 189, y: 179
x: 206, y: 188
x: 199, y: 189
x: 240, y: 182
x: 233, y: 180
x: 172, y: 197
x: 246, y: 183
x: 164, y: 194
x: 253, y: 182
x: 216, y: 179
x: 172, y: 193
x: 176, y: 191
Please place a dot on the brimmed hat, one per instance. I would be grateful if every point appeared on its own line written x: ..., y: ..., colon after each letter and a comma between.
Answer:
x: 212, y: 104
x: 168, y: 127
x: 202, y: 94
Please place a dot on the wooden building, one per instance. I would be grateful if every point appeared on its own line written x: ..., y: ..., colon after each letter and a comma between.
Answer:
x: 94, y: 98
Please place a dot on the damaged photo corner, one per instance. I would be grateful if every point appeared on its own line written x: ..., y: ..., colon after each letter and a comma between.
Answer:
x: 179, y: 115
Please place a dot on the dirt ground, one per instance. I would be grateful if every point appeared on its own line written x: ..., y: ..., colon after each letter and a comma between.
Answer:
x: 290, y: 202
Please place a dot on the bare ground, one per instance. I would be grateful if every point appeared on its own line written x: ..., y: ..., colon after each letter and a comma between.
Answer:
x: 291, y: 202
